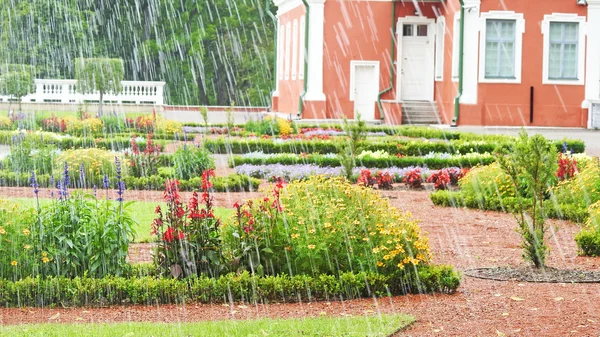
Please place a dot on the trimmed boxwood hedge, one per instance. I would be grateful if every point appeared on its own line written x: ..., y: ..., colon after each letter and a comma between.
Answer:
x: 391, y: 146
x: 432, y: 163
x: 242, y: 287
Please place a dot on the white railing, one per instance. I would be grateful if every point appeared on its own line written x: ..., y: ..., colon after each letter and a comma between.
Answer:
x: 65, y: 91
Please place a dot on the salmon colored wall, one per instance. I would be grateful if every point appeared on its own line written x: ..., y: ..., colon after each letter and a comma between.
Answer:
x: 290, y: 90
x: 508, y: 104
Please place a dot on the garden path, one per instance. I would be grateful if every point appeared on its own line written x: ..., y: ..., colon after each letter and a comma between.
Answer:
x: 463, y: 238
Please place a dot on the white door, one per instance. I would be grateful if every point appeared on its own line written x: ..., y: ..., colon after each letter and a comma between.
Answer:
x: 417, y: 70
x: 365, y: 90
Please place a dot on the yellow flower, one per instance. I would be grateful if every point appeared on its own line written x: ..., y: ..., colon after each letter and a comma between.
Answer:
x: 312, y: 231
x: 295, y: 236
x: 375, y: 250
x: 311, y: 246
x: 379, y: 264
x: 26, y: 232
x: 44, y: 254
x: 27, y: 246
x: 45, y: 259
x: 14, y: 263
x: 2, y: 231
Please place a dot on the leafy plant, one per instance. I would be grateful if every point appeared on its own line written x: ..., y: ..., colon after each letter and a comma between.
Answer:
x: 413, y: 178
x: 204, y: 115
x: 188, y: 235
x: 366, y: 178
x: 144, y: 163
x: 567, y: 166
x: 191, y: 161
x: 440, y: 179
x: 384, y: 180
x: 531, y: 165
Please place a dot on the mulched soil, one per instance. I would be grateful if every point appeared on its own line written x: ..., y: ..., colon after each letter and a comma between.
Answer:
x: 530, y: 274
x: 466, y: 239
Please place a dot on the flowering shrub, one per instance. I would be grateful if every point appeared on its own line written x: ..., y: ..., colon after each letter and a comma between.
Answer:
x: 327, y: 226
x: 384, y: 180
x: 485, y: 183
x: 440, y: 179
x: 145, y: 163
x: 5, y: 123
x: 366, y: 178
x: 166, y: 126
x: 413, y: 178
x: 188, y: 235
x: 145, y: 123
x: 87, y: 166
x: 567, y: 166
x: 18, y: 256
x: 84, y: 127
x: 583, y: 188
x: 456, y: 174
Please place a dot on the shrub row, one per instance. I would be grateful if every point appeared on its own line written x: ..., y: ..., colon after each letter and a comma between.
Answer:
x: 432, y: 163
x: 231, y: 183
x: 506, y: 204
x: 242, y: 287
x: 408, y: 148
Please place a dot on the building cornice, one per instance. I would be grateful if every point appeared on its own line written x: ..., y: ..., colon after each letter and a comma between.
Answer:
x: 284, y: 6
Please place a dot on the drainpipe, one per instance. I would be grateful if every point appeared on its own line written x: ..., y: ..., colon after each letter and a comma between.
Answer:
x: 306, y: 21
x: 461, y: 49
x: 268, y: 10
x: 393, y: 55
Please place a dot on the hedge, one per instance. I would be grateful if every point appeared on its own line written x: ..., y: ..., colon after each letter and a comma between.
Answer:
x: 432, y: 163
x: 391, y: 146
x: 242, y: 287
x: 458, y: 199
x: 231, y: 183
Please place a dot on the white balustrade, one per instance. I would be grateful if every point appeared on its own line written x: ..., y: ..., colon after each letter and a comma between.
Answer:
x: 65, y: 91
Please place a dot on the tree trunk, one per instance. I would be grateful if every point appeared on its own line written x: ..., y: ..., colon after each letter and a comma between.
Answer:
x: 100, y: 104
x: 202, y: 97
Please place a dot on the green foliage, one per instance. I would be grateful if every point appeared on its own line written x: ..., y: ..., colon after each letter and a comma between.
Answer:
x: 583, y: 189
x: 204, y: 115
x: 531, y: 164
x: 324, y: 226
x: 262, y: 127
x: 16, y: 83
x: 99, y: 74
x: 241, y: 287
x: 486, y: 183
x: 588, y: 239
x: 27, y: 155
x: 348, y: 150
x: 191, y: 161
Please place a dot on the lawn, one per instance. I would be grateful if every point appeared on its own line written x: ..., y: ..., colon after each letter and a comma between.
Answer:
x: 323, y: 326
x: 141, y: 211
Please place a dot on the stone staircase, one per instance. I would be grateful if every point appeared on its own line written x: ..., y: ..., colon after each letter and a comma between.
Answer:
x: 420, y: 113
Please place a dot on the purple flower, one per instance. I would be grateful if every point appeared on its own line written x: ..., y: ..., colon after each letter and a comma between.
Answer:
x: 95, y: 191
x: 81, y: 174
x: 106, y: 181
x: 66, y: 178
x: 185, y: 138
x: 120, y: 183
x: 34, y: 183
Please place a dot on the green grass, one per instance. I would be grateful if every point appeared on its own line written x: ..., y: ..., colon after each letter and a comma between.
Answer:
x: 323, y: 326
x: 141, y: 211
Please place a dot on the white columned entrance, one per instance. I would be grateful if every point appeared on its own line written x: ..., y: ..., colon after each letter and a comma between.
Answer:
x: 592, y: 73
x: 314, y: 86
x: 471, y: 52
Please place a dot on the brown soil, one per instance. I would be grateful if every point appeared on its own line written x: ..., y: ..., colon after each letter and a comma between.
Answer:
x: 465, y: 239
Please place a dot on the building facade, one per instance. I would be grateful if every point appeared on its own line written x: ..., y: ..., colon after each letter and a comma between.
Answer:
x: 480, y: 62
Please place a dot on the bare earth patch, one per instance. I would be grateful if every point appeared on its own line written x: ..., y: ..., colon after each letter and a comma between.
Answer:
x: 466, y: 239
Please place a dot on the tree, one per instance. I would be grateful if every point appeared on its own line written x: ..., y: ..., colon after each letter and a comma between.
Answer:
x: 100, y: 74
x: 17, y: 84
x: 531, y: 163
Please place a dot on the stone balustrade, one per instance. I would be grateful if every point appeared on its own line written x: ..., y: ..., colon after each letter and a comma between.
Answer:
x: 65, y: 91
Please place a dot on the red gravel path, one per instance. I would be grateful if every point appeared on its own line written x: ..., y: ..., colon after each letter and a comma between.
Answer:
x: 463, y: 238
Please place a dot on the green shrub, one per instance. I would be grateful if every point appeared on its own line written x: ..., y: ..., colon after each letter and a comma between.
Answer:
x: 190, y: 161
x: 486, y: 183
x: 231, y: 183
x: 325, y: 226
x: 93, y: 163
x: 588, y: 240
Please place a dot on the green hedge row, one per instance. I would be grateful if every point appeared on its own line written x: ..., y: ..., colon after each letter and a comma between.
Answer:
x: 432, y: 163
x: 459, y: 199
x: 231, y: 183
x: 407, y: 148
x: 232, y: 287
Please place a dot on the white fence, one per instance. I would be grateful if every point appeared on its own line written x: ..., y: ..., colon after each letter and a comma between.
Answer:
x: 65, y: 91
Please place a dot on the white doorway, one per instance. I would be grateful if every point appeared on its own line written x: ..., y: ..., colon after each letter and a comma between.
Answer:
x: 364, y: 87
x: 416, y: 59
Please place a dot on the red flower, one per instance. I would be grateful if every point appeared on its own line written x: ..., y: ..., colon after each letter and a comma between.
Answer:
x: 206, y: 184
x: 168, y: 235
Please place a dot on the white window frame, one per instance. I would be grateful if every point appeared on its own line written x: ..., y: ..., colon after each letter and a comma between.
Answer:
x: 519, y: 31
x: 288, y: 45
x: 440, y: 35
x: 302, y: 48
x: 568, y: 18
x: 280, y: 51
x: 295, y: 49
x: 455, y: 46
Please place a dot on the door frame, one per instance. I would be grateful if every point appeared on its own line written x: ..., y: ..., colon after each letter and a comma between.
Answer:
x: 375, y: 89
x: 399, y: 38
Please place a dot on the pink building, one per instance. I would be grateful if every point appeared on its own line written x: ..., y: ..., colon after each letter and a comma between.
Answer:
x: 519, y: 62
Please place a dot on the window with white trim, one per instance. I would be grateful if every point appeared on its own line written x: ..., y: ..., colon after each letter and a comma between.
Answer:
x: 501, y: 47
x: 302, y: 48
x: 455, y: 46
x: 280, y: 51
x: 564, y: 49
x: 288, y: 45
x: 295, y: 50
x: 440, y: 35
